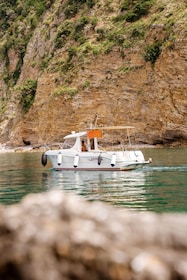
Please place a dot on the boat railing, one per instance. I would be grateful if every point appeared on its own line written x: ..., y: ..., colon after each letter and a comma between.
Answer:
x: 53, y: 146
x: 114, y: 147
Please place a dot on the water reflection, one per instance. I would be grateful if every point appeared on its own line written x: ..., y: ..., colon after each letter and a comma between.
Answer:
x: 116, y: 188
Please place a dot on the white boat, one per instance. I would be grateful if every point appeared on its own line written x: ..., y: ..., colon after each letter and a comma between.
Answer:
x: 83, y: 151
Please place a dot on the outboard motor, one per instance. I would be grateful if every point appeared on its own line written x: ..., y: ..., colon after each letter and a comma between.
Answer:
x: 44, y: 159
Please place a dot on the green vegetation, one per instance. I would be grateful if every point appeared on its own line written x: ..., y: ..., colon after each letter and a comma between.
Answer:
x: 72, y: 7
x: 18, y: 19
x: 28, y: 91
x: 133, y: 10
x: 70, y: 30
x: 79, y: 30
x: 86, y: 84
x: 152, y: 52
x: 12, y: 11
x: 125, y: 69
x: 66, y: 90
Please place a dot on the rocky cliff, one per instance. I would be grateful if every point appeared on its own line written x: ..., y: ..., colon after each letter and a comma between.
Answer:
x: 124, y: 60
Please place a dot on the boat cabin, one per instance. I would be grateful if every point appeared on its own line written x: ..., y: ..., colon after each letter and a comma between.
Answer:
x: 83, y: 141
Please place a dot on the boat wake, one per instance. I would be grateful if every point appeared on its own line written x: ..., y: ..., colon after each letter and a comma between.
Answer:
x: 167, y: 168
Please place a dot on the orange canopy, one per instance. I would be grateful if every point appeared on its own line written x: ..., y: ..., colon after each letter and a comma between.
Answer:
x: 94, y: 133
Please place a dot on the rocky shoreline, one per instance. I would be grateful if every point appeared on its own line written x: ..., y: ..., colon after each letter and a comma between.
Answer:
x: 57, y: 236
x: 21, y: 149
x: 41, y: 148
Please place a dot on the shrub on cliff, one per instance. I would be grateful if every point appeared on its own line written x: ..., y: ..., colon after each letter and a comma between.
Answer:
x: 152, y: 52
x: 73, y: 6
x: 132, y: 10
x: 28, y: 91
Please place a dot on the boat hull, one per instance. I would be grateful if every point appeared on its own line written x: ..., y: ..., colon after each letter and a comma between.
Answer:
x: 98, y: 161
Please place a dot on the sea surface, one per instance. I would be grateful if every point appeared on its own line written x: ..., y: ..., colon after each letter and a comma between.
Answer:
x: 159, y: 187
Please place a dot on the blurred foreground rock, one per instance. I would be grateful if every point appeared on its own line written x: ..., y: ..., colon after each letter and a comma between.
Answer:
x: 55, y: 236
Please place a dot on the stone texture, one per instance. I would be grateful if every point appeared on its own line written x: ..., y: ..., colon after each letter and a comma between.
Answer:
x: 146, y: 98
x: 153, y: 98
x: 55, y: 236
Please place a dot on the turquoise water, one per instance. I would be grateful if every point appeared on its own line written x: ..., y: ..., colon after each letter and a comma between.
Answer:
x: 160, y: 187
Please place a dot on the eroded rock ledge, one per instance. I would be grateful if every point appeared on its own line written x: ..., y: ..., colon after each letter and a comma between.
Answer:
x: 55, y: 236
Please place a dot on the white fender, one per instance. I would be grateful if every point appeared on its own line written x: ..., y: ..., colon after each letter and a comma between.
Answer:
x: 59, y: 159
x: 113, y: 160
x: 76, y: 161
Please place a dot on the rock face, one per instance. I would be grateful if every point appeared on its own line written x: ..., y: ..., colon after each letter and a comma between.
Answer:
x: 120, y: 86
x: 56, y: 236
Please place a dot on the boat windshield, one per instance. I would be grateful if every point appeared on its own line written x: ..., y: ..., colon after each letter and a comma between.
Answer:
x: 69, y: 143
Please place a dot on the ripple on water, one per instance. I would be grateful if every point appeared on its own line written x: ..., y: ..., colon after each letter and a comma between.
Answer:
x: 160, y: 187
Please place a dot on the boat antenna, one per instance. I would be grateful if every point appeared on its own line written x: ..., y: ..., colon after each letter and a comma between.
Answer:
x: 95, y: 120
x: 128, y: 136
